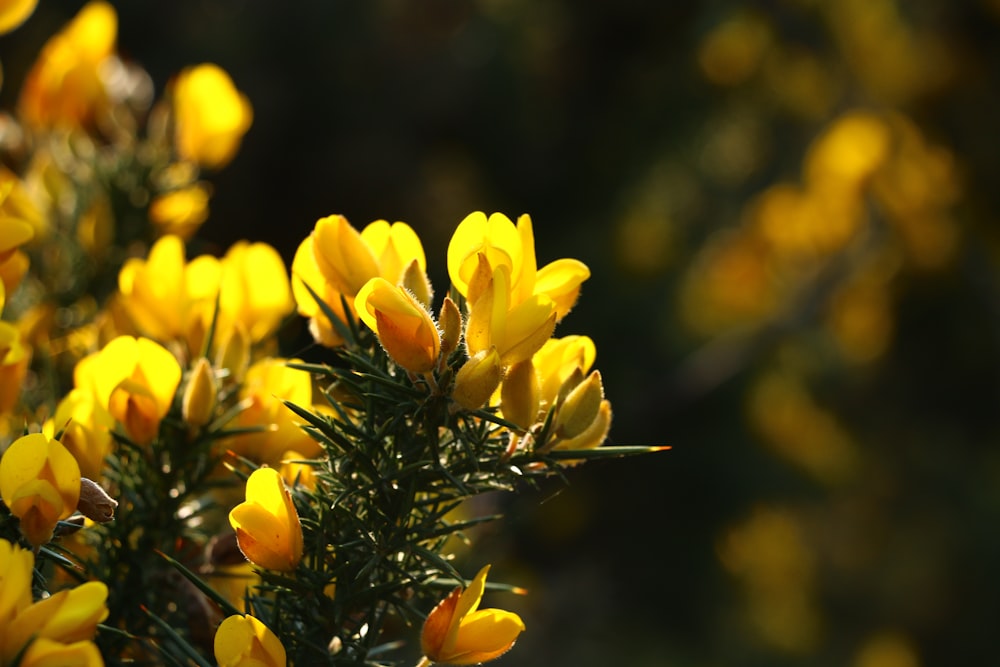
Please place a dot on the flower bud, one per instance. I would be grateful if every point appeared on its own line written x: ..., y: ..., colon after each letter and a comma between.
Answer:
x: 519, y: 395
x: 580, y: 408
x: 200, y: 395
x: 403, y: 325
x: 450, y: 321
x: 415, y: 280
x: 477, y: 379
x: 95, y: 503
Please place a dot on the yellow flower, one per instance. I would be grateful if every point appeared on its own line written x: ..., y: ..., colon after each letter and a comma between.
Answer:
x: 404, y: 327
x: 243, y: 641
x: 135, y: 379
x: 517, y: 330
x: 255, y: 289
x: 64, y: 86
x: 267, y: 524
x: 498, y: 242
x: 14, y: 359
x: 268, y: 383
x: 60, y: 628
x: 336, y: 260
x: 86, y: 430
x: 200, y: 394
x: 210, y: 115
x: 456, y: 632
x: 40, y: 484
x: 15, y: 12
x: 477, y: 379
x: 161, y: 292
x: 181, y: 211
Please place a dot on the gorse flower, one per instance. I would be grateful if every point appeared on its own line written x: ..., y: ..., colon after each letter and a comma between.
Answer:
x: 40, y: 484
x: 135, y: 380
x: 210, y: 116
x: 243, y: 641
x: 457, y: 632
x: 65, y: 88
x: 57, y: 630
x: 15, y: 12
x: 267, y: 524
x: 403, y: 325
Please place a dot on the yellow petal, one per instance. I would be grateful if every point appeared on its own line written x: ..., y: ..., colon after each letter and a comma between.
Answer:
x: 485, y: 635
x: 343, y: 257
x: 243, y: 640
x: 495, y: 237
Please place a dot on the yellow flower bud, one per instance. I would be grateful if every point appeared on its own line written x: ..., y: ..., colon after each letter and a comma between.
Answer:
x: 416, y: 283
x: 267, y: 524
x: 200, y: 394
x: 580, y: 408
x: 519, y: 394
x: 477, y: 379
x: 244, y: 640
x: 450, y: 321
x: 403, y: 325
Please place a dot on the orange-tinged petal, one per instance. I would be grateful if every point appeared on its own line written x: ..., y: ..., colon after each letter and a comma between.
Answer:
x: 67, y: 616
x: 404, y: 327
x: 267, y: 524
x: 39, y: 483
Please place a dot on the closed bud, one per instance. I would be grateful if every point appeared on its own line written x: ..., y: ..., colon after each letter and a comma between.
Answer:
x: 519, y: 395
x: 95, y: 503
x: 200, y: 395
x: 415, y: 280
x: 450, y: 321
x: 234, y: 354
x: 581, y: 407
x: 477, y: 379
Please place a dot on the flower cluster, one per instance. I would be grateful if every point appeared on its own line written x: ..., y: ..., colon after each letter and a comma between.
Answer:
x: 212, y: 494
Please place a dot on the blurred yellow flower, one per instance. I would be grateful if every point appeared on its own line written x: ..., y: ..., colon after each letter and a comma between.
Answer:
x: 64, y: 87
x: 15, y: 12
x: 267, y: 524
x: 40, y: 484
x: 200, y: 394
x: 181, y: 211
x: 14, y: 359
x: 86, y: 430
x: 210, y: 115
x: 255, y: 289
x: 59, y: 628
x: 135, y: 379
x: 404, y: 327
x: 268, y: 383
x: 457, y: 632
x: 243, y: 641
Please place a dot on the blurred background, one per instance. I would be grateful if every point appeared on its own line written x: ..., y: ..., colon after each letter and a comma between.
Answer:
x: 789, y: 209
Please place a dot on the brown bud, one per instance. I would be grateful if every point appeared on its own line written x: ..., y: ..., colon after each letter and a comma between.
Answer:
x: 95, y: 503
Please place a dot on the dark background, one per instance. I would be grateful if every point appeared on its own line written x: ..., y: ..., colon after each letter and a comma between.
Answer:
x: 604, y: 123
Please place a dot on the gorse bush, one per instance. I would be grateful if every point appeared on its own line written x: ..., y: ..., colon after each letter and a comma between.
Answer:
x: 175, y: 489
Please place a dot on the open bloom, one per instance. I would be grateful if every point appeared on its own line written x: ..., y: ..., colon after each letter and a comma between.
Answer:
x: 243, y: 641
x: 498, y: 242
x: 404, y: 327
x: 60, y: 627
x: 40, y: 484
x: 457, y: 632
x: 267, y: 524
x: 64, y: 87
x: 336, y: 261
x: 135, y: 379
x: 210, y: 115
